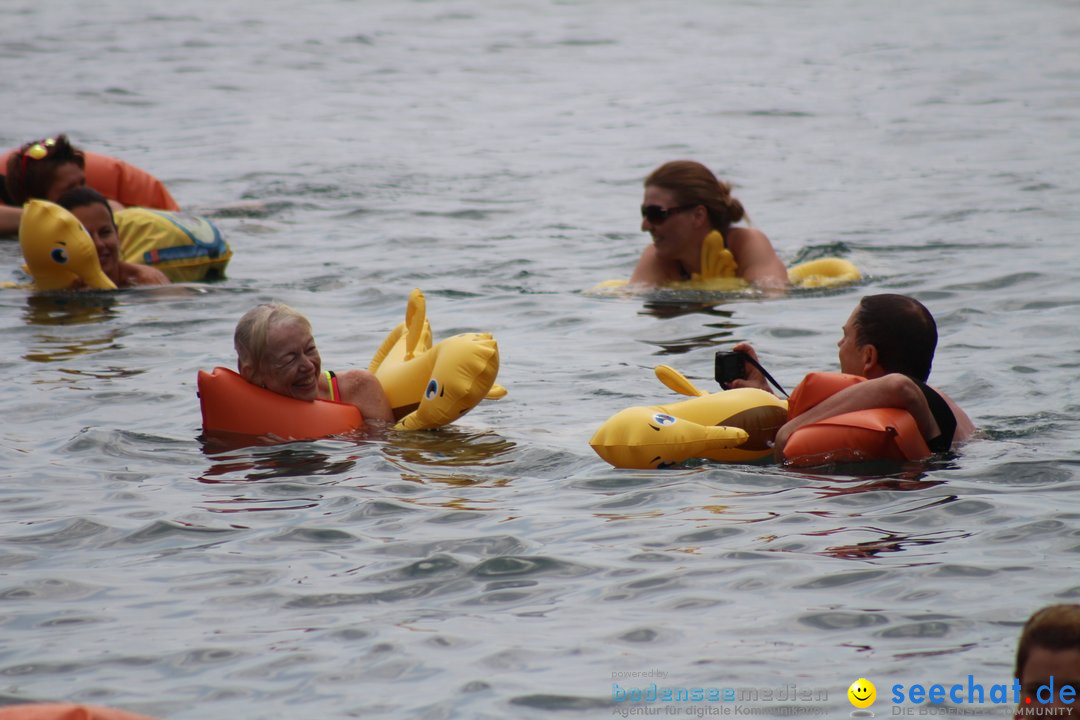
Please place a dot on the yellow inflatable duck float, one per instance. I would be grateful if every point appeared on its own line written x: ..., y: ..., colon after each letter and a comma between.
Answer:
x: 432, y: 385
x: 57, y: 249
x: 728, y: 426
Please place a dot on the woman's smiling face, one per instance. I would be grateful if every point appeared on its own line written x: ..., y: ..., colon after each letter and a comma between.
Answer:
x: 98, y: 221
x: 291, y: 363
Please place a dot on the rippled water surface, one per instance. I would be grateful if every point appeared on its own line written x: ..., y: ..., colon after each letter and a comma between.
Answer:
x: 492, y: 155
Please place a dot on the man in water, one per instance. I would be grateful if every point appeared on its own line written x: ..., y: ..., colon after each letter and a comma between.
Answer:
x: 1048, y: 659
x: 889, y: 340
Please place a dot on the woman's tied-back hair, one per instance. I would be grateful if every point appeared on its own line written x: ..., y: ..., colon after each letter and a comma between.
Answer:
x: 254, y: 327
x: 29, y: 178
x: 902, y: 330
x: 694, y: 184
x: 1055, y: 627
x: 78, y: 197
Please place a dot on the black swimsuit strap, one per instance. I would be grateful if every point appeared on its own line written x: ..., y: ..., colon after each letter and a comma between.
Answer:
x: 943, y: 415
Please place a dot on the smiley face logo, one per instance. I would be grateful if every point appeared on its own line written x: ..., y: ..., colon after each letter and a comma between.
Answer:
x: 862, y: 693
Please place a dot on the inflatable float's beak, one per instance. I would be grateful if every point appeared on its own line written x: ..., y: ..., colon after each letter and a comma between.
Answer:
x: 58, y: 250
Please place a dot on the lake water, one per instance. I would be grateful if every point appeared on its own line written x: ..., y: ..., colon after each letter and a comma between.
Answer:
x: 492, y: 154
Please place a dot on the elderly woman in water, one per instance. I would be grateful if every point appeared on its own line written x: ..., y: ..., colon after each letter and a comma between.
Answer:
x: 275, y: 350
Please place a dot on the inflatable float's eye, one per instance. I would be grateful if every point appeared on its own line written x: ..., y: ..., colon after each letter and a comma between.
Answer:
x: 432, y: 389
x: 663, y: 419
x: 59, y: 255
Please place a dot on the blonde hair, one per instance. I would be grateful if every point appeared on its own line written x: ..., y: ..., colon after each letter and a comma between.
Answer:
x: 249, y: 339
x: 694, y: 184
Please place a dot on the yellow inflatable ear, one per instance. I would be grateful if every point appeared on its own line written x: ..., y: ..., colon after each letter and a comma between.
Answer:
x: 728, y: 426
x: 675, y: 380
x: 58, y: 250
x: 429, y: 386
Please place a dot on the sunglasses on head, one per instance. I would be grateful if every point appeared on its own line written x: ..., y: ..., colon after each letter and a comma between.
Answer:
x: 37, y: 151
x: 656, y: 214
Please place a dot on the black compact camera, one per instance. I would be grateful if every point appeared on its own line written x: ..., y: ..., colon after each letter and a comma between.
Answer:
x: 730, y: 366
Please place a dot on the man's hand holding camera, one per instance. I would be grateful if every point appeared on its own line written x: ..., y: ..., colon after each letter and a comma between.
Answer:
x: 752, y: 377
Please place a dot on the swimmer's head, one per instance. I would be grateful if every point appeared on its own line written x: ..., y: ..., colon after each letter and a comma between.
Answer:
x: 44, y: 169
x: 94, y: 212
x: 901, y: 329
x: 692, y: 183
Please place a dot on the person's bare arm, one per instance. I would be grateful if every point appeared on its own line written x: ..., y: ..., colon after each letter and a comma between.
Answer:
x: 757, y: 260
x: 362, y: 389
x: 889, y: 391
x: 650, y: 270
x: 135, y: 274
x: 9, y: 220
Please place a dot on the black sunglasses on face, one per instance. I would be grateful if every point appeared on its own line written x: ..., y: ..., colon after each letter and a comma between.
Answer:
x: 656, y: 214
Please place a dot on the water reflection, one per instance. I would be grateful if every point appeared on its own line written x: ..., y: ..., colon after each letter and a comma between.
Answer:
x: 889, y: 542
x: 722, y: 331
x: 71, y: 310
x: 273, y: 463
x: 672, y: 308
x: 420, y: 456
x: 446, y: 448
x: 681, y: 346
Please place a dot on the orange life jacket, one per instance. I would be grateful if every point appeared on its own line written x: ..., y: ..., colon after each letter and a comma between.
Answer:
x: 878, y: 434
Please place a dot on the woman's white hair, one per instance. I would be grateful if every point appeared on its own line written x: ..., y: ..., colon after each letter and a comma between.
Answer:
x: 254, y: 327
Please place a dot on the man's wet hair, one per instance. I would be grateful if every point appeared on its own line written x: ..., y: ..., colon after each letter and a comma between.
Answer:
x: 1055, y: 627
x: 902, y: 330
x: 82, y: 196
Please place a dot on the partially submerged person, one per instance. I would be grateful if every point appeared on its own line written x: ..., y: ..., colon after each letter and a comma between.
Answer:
x: 43, y: 169
x: 275, y: 350
x: 46, y: 168
x: 890, y: 340
x: 92, y: 209
x: 691, y: 216
x: 1048, y: 659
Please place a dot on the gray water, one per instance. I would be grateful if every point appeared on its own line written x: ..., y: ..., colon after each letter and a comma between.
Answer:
x: 492, y: 155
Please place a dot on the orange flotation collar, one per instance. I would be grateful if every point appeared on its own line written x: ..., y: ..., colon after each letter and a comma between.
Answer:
x: 231, y: 404
x: 878, y: 434
x: 120, y: 181
x: 65, y: 711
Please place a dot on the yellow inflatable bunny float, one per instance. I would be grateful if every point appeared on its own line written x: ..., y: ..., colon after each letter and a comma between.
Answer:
x: 57, y: 249
x: 729, y: 426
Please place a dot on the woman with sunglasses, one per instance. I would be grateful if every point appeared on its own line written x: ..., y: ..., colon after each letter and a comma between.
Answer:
x: 690, y: 215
